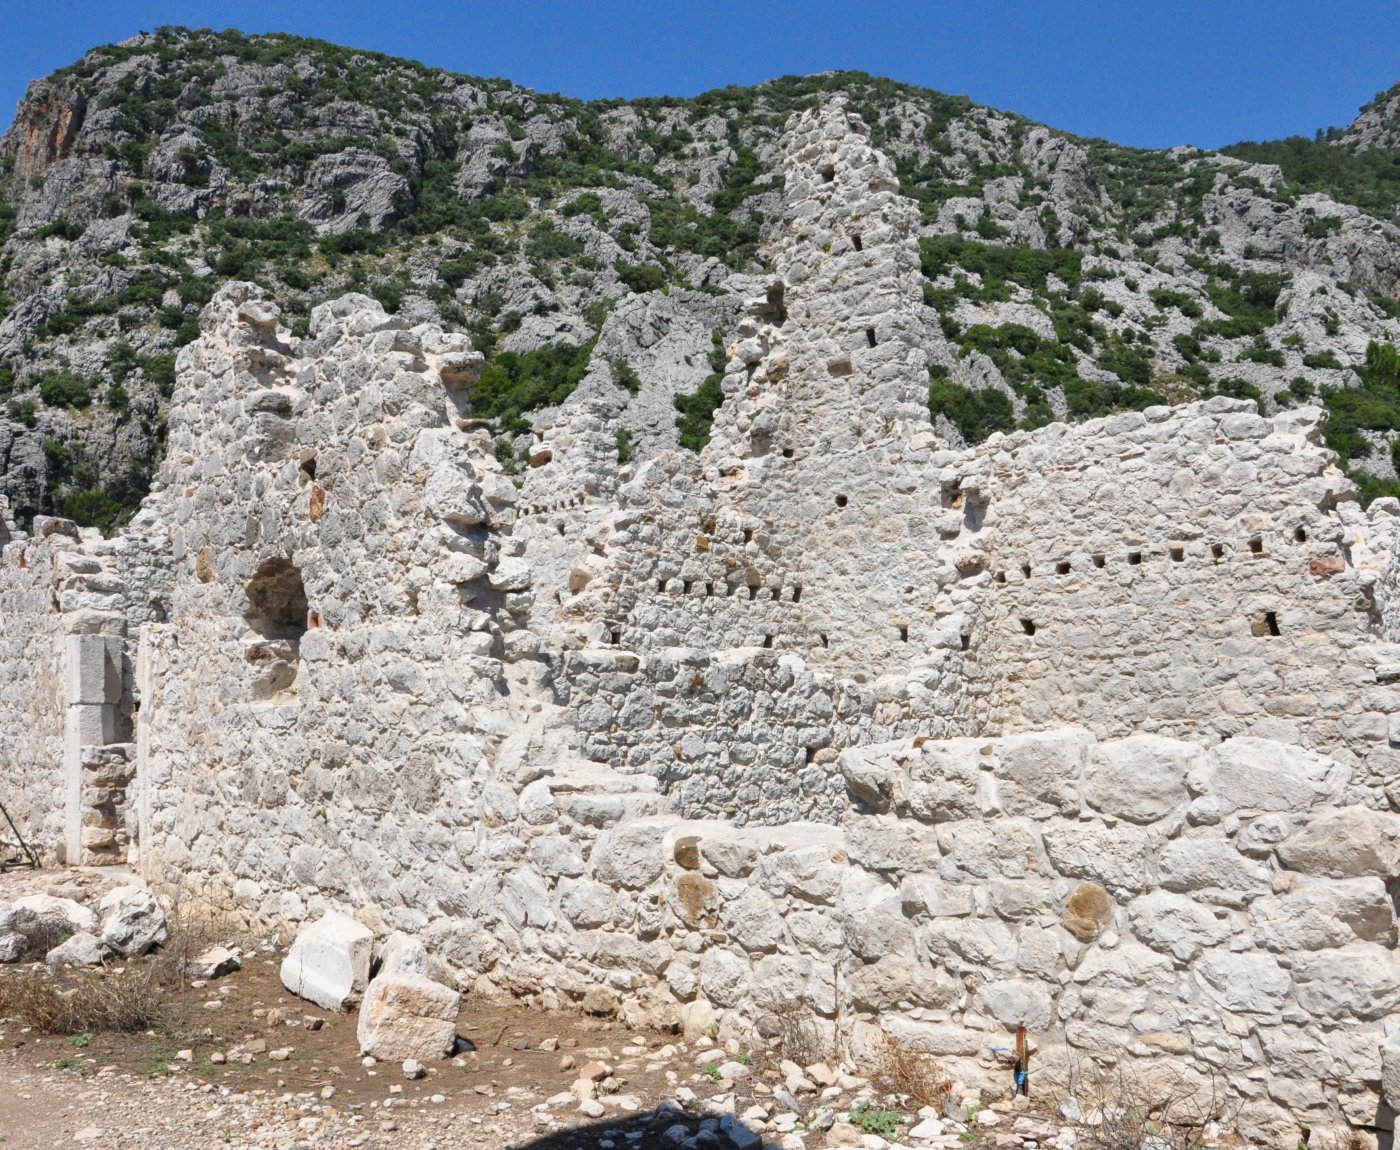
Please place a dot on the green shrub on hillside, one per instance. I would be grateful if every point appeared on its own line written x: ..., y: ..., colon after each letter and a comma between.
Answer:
x: 976, y: 414
x: 513, y: 383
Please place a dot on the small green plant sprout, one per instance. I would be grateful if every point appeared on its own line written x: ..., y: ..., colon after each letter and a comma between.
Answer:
x: 66, y: 1063
x: 871, y: 1119
x: 80, y: 1040
x: 744, y: 1059
x: 711, y: 1071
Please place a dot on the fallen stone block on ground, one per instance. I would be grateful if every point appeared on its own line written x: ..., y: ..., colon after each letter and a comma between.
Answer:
x: 213, y: 963
x: 328, y: 963
x: 82, y: 949
x: 408, y: 1016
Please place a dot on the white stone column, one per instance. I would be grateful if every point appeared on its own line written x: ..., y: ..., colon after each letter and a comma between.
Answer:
x: 93, y: 686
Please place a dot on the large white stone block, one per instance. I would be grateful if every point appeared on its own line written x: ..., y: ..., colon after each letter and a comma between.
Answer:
x: 132, y: 921
x: 408, y: 1015
x: 329, y: 961
x: 93, y: 668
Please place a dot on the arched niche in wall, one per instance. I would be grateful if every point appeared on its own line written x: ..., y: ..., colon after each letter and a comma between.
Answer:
x: 276, y: 614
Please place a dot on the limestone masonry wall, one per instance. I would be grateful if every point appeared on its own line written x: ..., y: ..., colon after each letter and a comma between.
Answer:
x: 1092, y: 728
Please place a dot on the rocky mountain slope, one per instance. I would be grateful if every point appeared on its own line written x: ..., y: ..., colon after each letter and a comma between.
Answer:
x: 602, y: 253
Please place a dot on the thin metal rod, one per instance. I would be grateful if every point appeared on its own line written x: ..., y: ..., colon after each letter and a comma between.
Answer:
x: 19, y: 838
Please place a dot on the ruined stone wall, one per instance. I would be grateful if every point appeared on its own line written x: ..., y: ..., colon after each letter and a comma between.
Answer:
x: 32, y: 695
x: 1198, y: 570
x: 370, y: 673
x: 325, y: 682
x: 748, y: 735
x: 1187, y: 572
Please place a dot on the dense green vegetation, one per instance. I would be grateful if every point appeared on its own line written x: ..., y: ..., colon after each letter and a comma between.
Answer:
x: 513, y: 383
x: 1369, y: 179
x: 697, y: 410
x: 976, y: 414
x: 1374, y: 406
x: 998, y: 267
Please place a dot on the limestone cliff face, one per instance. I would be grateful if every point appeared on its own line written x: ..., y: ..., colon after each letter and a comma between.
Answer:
x: 43, y: 132
x: 616, y: 249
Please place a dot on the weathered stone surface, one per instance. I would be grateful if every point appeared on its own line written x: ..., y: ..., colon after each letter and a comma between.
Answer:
x: 82, y: 949
x: 1390, y: 1070
x: 1178, y: 925
x: 1017, y: 1002
x: 73, y: 915
x: 403, y: 954
x: 132, y: 921
x: 1141, y: 779
x: 1324, y: 914
x: 408, y: 1016
x: 1200, y: 861
x: 1245, y: 983
x: 1360, y: 980
x: 328, y: 962
x: 1259, y: 774
x: 1346, y: 843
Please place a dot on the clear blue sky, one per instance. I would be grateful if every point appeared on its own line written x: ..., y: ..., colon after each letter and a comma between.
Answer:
x: 1154, y: 74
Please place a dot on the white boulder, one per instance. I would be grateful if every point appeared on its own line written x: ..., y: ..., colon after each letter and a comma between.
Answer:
x: 328, y: 963
x: 132, y: 921
x: 83, y: 949
x: 75, y: 915
x: 408, y: 1016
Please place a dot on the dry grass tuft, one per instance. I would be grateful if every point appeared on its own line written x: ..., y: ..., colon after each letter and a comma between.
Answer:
x: 81, y: 1001
x: 92, y: 999
x: 41, y: 933
x: 913, y: 1073
x: 1128, y: 1108
x: 800, y: 1037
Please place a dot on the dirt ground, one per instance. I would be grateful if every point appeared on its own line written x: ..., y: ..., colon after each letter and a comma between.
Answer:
x: 167, y: 1086
x: 238, y: 1061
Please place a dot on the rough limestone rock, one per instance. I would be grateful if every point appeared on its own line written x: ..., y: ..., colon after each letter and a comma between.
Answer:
x: 12, y: 947
x: 1346, y: 843
x: 403, y: 954
x: 82, y: 949
x: 407, y: 1015
x: 328, y: 962
x: 72, y: 914
x: 1140, y: 779
x: 1361, y: 980
x: 1390, y: 1069
x: 213, y: 963
x: 132, y: 921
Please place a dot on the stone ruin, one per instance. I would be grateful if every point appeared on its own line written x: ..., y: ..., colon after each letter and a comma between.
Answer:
x: 1093, y: 728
